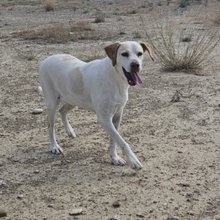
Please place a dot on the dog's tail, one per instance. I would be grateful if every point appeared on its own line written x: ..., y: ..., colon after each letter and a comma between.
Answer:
x: 40, y: 90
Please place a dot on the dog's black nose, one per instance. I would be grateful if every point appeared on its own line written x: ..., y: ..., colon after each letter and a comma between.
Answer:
x: 135, y: 66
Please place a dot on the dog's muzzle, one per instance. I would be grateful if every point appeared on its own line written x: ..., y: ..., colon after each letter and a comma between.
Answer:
x: 133, y: 76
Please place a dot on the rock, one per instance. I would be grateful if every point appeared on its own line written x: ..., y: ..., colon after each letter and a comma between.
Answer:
x: 39, y: 89
x: 174, y: 218
x: 184, y: 184
x: 20, y: 196
x: 115, y: 217
x: 76, y: 211
x: 37, y: 111
x: 3, y: 211
x: 140, y: 215
x: 16, y: 159
x: 2, y: 183
x: 116, y: 204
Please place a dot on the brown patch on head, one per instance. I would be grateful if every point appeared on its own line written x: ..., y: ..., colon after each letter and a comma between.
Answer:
x: 149, y: 49
x: 111, y: 51
x: 76, y: 81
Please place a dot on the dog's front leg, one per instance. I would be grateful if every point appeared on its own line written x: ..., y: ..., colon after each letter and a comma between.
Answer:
x: 110, y: 128
x: 115, y: 159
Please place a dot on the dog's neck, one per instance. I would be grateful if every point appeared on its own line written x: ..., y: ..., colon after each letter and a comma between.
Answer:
x: 117, y: 74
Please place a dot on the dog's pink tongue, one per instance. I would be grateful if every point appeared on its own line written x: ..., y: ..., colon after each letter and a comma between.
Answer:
x: 138, y: 79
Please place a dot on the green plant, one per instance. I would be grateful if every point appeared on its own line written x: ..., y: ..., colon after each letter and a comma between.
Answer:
x: 166, y: 36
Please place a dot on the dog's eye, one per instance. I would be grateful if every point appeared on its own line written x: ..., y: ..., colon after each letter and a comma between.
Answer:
x: 139, y: 54
x: 125, y: 54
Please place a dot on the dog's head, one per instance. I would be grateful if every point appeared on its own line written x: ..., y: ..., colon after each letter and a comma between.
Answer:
x: 128, y: 56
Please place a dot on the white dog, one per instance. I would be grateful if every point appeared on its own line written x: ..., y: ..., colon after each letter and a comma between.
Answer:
x: 100, y: 86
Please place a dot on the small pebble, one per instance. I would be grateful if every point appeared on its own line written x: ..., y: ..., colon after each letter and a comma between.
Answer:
x: 39, y: 89
x: 20, y: 196
x: 174, y: 218
x: 3, y: 212
x: 37, y: 111
x: 116, y: 204
x: 140, y: 215
x: 184, y: 184
x: 76, y: 211
x: 2, y: 183
x: 16, y: 159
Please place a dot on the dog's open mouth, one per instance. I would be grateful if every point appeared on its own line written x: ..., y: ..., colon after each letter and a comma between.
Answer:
x: 133, y: 78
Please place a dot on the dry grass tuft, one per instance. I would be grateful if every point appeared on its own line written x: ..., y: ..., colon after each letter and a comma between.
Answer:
x: 49, y: 5
x: 214, y: 14
x: 57, y: 32
x: 180, y: 44
x: 94, y: 53
x: 99, y: 17
x: 83, y: 25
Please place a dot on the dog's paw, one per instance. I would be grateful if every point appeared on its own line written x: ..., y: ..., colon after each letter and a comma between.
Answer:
x: 70, y: 132
x: 134, y: 162
x: 56, y: 149
x: 118, y: 161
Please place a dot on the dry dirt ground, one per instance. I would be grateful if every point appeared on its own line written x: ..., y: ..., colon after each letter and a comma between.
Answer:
x: 177, y: 143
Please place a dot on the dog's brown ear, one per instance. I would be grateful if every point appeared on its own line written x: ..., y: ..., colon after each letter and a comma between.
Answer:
x: 111, y: 51
x: 149, y: 49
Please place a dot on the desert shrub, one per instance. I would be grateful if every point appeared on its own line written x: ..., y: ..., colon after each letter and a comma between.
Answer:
x: 99, y: 17
x: 183, y: 3
x: 57, y: 32
x: 49, y: 5
x: 214, y: 14
x: 94, y: 53
x: 180, y: 44
x: 82, y: 25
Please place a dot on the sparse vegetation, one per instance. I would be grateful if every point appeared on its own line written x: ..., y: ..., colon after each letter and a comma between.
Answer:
x: 49, y: 5
x: 172, y: 121
x: 56, y: 32
x: 183, y: 3
x: 136, y: 34
x: 182, y: 45
x: 214, y: 14
x: 93, y: 54
x: 99, y: 17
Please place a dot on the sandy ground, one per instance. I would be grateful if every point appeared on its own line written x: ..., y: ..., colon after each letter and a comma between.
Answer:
x: 177, y: 143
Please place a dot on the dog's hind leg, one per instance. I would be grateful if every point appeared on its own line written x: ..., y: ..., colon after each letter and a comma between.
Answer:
x: 52, y: 105
x: 63, y: 112
x: 115, y: 159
